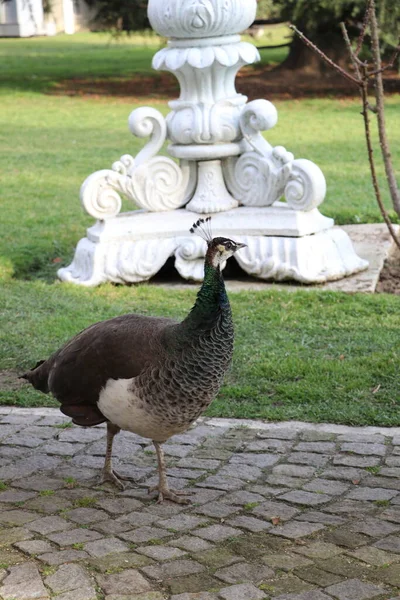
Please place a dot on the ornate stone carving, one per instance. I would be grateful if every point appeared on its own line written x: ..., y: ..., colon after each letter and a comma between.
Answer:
x: 200, y: 18
x: 155, y: 183
x: 227, y: 168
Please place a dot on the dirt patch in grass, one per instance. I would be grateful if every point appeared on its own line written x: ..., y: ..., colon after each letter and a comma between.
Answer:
x: 9, y: 381
x: 389, y: 281
x: 254, y: 82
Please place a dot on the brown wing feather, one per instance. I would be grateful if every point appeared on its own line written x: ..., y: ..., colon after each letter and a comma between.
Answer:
x: 119, y: 348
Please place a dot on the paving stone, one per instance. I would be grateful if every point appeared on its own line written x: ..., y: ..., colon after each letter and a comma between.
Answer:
x: 105, y: 546
x: 356, y: 461
x: 199, y: 496
x: 45, y: 433
x: 86, y: 593
x: 318, y: 577
x: 124, y: 583
x: 119, y: 562
x: 244, y: 572
x: 48, y: 504
x: 10, y: 556
x: 191, y: 543
x: 364, y: 449
x: 199, y: 463
x: 178, y: 484
x: 249, y: 523
x: 176, y: 568
x: 196, y: 596
x: 23, y: 583
x: 374, y: 527
x: 320, y: 517
x: 221, y: 483
x: 185, y: 473
x: 136, y: 519
x: 259, y: 460
x: 117, y: 506
x: 217, y: 533
x: 68, y: 577
x: 391, y: 543
x: 181, y: 522
x: 274, y: 445
x: 62, y: 448
x: 65, y: 556
x: 307, y: 458
x: 278, y: 434
x: 342, y: 565
x: 391, y: 515
x: 305, y: 498
x: 378, y: 481
x: 374, y: 556
x: 34, y: 546
x: 11, y: 496
x: 327, y: 486
x: 180, y: 451
x: 243, y: 497
x: 17, y: 517
x: 84, y: 516
x: 288, y: 482
x: 345, y: 537
x: 354, y: 589
x: 198, y: 582
x: 288, y: 586
x: 111, y: 526
x: 294, y: 471
x: 74, y: 536
x: 285, y: 562
x: 266, y: 490
x: 312, y: 595
x: 79, y: 434
x: 239, y: 471
x: 39, y: 483
x: 318, y: 447
x: 144, y: 534
x: 271, y: 510
x: 22, y: 439
x: 319, y: 550
x: 244, y: 591
x: 217, y: 557
x: 393, y: 461
x: 144, y: 596
x: 49, y: 525
x: 217, y: 509
x: 357, y: 437
x: 343, y: 473
x: 161, y: 553
x: 296, y: 529
x: 389, y: 575
x: 390, y: 472
x: 350, y: 507
x: 14, y: 534
x: 20, y: 419
x: 371, y: 494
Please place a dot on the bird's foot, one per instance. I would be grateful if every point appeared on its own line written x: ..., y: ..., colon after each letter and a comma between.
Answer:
x: 109, y: 475
x: 166, y: 493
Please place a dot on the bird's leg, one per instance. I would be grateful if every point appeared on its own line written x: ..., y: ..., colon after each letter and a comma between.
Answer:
x: 108, y: 472
x: 164, y: 492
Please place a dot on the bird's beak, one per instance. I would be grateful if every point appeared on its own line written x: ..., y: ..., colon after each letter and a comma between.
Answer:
x: 240, y: 246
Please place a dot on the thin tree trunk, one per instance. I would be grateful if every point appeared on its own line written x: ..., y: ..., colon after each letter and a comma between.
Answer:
x: 380, y: 106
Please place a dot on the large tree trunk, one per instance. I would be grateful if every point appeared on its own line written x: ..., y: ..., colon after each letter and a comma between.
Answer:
x: 303, y: 59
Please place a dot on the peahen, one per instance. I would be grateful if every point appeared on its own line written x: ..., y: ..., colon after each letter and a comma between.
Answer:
x: 148, y: 375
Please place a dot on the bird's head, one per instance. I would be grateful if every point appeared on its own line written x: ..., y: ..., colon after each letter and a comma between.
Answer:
x: 219, y: 248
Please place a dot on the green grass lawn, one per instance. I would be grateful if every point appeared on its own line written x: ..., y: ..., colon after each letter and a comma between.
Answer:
x: 304, y: 355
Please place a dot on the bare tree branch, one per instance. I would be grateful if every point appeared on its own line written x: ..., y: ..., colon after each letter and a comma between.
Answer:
x: 364, y: 27
x: 380, y: 105
x: 323, y: 56
x: 351, y: 52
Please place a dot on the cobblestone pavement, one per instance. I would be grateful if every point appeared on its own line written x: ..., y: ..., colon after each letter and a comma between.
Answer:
x: 279, y: 511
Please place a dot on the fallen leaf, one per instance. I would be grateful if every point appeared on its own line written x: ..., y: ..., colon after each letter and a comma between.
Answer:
x: 375, y: 390
x: 276, y: 520
x: 355, y: 482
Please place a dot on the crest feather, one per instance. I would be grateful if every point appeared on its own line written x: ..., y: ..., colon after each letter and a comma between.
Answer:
x: 202, y: 228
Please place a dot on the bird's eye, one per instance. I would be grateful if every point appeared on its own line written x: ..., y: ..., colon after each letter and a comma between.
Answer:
x: 228, y: 245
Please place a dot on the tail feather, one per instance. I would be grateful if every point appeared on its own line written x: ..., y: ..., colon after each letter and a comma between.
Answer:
x: 38, y: 376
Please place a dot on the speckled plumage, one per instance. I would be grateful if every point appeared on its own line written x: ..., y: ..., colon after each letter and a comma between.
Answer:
x: 148, y: 375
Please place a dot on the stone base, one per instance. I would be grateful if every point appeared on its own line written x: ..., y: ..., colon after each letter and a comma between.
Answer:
x: 282, y: 244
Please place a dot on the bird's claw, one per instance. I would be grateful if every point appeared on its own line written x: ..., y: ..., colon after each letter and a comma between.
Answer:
x: 109, y: 475
x: 165, y: 493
